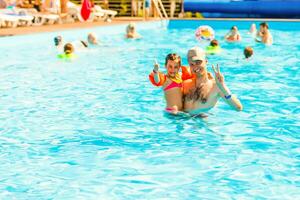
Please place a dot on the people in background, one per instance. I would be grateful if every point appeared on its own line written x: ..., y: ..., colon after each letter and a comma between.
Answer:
x: 147, y: 9
x: 134, y: 6
x: 92, y: 39
x: 213, y: 48
x: 253, y: 30
x: 233, y: 35
x: 68, y: 52
x: 248, y: 52
x: 106, y: 4
x: 172, y: 8
x: 131, y: 31
x: 264, y: 35
x: 58, y: 42
x: 3, y: 4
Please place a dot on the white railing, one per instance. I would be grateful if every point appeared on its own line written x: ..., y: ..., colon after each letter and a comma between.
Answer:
x: 160, y: 9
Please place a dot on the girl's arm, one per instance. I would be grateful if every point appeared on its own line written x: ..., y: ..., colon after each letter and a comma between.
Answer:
x: 156, y: 77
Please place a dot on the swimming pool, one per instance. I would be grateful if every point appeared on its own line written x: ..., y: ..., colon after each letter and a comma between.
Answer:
x: 95, y: 128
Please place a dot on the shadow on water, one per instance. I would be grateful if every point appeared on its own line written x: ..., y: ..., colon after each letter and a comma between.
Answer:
x: 197, y: 122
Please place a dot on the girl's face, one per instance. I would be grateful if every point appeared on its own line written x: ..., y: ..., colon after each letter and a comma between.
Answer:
x: 172, y: 67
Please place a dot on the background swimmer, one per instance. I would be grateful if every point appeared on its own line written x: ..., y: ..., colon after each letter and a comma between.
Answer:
x: 233, y: 35
x: 253, y: 30
x: 68, y: 52
x: 58, y: 42
x: 264, y: 35
x: 248, y: 52
x: 92, y: 39
x: 131, y: 31
x: 214, y: 47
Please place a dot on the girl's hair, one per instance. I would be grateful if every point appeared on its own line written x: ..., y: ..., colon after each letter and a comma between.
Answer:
x: 173, y: 57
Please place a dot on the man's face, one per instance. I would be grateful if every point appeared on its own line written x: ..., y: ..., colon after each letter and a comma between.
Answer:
x: 262, y: 28
x: 198, y: 66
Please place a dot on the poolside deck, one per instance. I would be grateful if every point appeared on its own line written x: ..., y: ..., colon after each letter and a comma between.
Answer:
x: 57, y: 27
x: 115, y: 21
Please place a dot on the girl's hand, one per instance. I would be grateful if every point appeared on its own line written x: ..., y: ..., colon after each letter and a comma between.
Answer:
x: 156, y: 66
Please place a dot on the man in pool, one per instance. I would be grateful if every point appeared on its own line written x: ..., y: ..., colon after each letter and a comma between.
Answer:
x: 264, y: 35
x: 202, y: 92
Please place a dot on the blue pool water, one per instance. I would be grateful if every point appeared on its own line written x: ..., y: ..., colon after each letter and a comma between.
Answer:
x: 95, y: 128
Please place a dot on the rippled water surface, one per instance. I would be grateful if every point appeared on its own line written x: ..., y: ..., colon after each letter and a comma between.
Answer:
x: 94, y: 128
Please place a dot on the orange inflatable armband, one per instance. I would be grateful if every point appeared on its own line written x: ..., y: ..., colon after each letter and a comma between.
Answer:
x: 162, y: 79
x: 186, y: 73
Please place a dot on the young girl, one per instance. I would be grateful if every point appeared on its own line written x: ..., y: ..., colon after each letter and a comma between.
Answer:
x: 233, y: 35
x: 171, y: 82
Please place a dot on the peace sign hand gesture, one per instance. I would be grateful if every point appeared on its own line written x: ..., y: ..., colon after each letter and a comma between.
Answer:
x: 219, y: 78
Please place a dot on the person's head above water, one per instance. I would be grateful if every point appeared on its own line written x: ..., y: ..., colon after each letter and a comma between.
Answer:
x: 252, y: 28
x: 58, y: 40
x: 172, y: 64
x: 130, y: 28
x: 214, y: 43
x: 234, y: 28
x: 68, y: 48
x: 264, y: 25
x: 92, y: 38
x: 131, y: 31
x: 248, y: 52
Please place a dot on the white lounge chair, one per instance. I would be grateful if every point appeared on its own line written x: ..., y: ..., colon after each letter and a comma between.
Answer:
x: 98, y: 16
x: 12, y: 18
x: 74, y: 12
x: 43, y: 18
x: 107, y: 14
x: 8, y: 21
